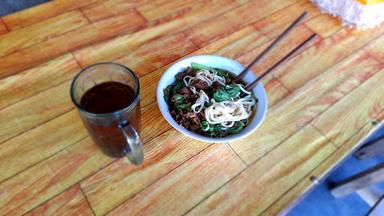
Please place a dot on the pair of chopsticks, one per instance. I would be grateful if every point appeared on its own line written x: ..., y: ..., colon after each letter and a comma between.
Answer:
x: 270, y: 47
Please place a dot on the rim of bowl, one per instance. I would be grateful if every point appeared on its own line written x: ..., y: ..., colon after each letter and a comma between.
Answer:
x: 165, y: 110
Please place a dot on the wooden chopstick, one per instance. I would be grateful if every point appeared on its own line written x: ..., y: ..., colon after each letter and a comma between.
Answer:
x: 271, y: 46
x: 254, y: 83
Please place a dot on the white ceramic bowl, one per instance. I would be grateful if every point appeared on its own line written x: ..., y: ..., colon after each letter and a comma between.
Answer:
x: 218, y: 62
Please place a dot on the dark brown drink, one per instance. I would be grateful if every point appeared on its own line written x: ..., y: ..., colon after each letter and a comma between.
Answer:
x: 110, y: 97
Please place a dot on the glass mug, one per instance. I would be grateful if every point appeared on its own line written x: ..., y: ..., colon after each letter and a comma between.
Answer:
x: 116, y: 132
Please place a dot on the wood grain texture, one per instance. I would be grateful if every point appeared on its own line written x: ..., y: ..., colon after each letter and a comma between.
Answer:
x: 42, y: 107
x: 43, y: 181
x: 22, y: 152
x: 236, y: 44
x: 340, y: 121
x: 3, y: 28
x: 69, y: 203
x: 120, y: 46
x: 42, y: 12
x: 48, y: 29
x: 297, y: 110
x: 274, y: 24
x: 325, y: 25
x: 299, y: 35
x: 117, y: 182
x: 53, y: 175
x: 148, y: 86
x: 92, y: 33
x: 275, y: 91
x: 152, y: 122
x: 156, y: 54
x: 203, y: 174
x: 107, y: 8
x: 376, y: 48
x: 303, y: 187
x: 313, y: 61
x: 35, y: 110
x: 234, y: 20
x: 171, y: 9
x: 65, y: 129
x: 273, y: 175
x: 30, y: 82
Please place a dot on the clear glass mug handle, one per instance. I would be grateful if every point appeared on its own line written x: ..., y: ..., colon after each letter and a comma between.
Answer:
x: 136, y: 155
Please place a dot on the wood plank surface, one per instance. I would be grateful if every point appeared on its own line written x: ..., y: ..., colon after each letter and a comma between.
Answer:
x: 42, y: 12
x: 22, y: 152
x: 57, y: 172
x: 70, y: 202
x: 297, y: 110
x: 39, y: 32
x: 49, y: 178
x: 303, y: 187
x: 119, y: 46
x: 3, y: 28
x: 299, y: 35
x: 324, y: 55
x: 236, y: 44
x: 155, y: 54
x: 376, y: 49
x: 86, y: 35
x: 14, y: 149
x: 104, y: 9
x: 152, y: 123
x: 203, y: 174
x: 148, y: 84
x: 171, y: 9
x: 35, y: 80
x: 323, y: 102
x: 275, y: 23
x: 273, y: 175
x: 34, y: 111
x: 51, y: 181
x: 369, y: 103
x: 324, y: 25
x: 117, y: 182
x: 234, y: 20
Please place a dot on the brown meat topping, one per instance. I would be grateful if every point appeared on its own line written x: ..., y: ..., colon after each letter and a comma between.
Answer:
x: 199, y: 84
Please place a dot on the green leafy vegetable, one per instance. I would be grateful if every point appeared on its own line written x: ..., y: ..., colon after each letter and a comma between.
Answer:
x: 233, y: 90
x: 204, y: 125
x: 223, y: 73
x: 178, y: 85
x: 207, y: 104
x: 167, y: 92
x: 226, y: 93
x: 196, y: 66
x: 221, y: 95
x: 213, y: 130
x: 236, y: 128
x: 178, y: 99
x: 184, y: 107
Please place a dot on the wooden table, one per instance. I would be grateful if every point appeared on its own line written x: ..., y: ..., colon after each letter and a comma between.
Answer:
x: 322, y: 103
